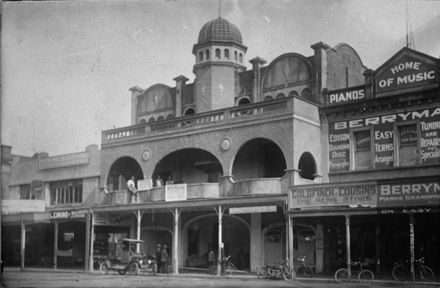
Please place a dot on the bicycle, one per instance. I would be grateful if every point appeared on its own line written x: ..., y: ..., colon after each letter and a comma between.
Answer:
x: 401, y: 272
x: 229, y: 266
x: 304, y: 269
x: 364, y: 275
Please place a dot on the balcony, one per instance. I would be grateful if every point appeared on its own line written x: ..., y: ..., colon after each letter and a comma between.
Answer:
x: 262, y: 186
x: 228, y: 115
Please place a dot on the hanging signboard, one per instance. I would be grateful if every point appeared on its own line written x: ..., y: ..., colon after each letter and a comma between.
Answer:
x: 255, y: 209
x: 175, y: 192
x: 145, y: 184
x: 407, y: 194
x: 408, y: 69
x: 430, y: 141
x: 352, y: 195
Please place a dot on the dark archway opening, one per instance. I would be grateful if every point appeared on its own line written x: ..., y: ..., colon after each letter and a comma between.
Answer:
x: 121, y: 170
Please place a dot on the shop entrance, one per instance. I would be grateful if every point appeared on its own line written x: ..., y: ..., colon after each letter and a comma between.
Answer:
x: 201, y: 234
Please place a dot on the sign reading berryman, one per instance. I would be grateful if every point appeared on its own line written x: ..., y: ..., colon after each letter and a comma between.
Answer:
x: 407, y: 194
x: 363, y: 194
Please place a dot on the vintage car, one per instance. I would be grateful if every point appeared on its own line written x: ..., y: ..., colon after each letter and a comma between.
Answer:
x: 131, y: 261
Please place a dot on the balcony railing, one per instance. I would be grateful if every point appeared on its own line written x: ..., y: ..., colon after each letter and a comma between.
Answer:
x: 213, y: 117
x: 196, y: 191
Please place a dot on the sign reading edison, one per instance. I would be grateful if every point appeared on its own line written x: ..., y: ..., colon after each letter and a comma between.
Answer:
x: 408, y: 71
x: 334, y: 195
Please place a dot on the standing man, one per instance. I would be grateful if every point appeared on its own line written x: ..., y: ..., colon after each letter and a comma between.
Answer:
x: 158, y: 255
x: 132, y: 190
x: 164, y: 259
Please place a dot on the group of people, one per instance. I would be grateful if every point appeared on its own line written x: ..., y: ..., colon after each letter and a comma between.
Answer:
x: 162, y: 258
x: 133, y: 191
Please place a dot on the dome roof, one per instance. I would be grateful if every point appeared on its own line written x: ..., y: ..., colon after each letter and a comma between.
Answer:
x: 220, y: 30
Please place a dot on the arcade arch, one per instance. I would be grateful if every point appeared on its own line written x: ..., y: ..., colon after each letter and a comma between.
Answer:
x: 121, y: 170
x: 259, y: 158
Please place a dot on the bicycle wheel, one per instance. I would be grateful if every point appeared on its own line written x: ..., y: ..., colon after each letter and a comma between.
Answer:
x: 308, y: 271
x: 426, y: 274
x: 342, y: 275
x: 366, y: 276
x: 289, y: 274
x: 230, y: 268
x: 400, y: 273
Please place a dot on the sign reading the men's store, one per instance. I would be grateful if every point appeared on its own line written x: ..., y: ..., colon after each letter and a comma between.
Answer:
x: 407, y: 69
x: 345, y: 96
x: 334, y: 195
x: 403, y: 194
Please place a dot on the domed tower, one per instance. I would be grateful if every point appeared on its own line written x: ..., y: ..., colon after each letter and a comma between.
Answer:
x: 219, y: 56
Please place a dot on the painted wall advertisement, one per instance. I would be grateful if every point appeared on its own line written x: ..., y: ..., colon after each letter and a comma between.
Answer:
x: 404, y: 194
x: 339, y: 149
x: 383, y: 145
x: 345, y: 96
x: 408, y: 70
x: 430, y: 140
x: 384, y: 138
x: 334, y: 195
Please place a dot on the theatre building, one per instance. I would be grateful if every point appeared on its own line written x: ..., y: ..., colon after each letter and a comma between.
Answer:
x: 381, y: 204
x: 214, y: 158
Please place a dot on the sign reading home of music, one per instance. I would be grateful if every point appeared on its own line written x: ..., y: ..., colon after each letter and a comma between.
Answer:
x: 175, y: 192
x: 407, y: 70
x: 334, y: 195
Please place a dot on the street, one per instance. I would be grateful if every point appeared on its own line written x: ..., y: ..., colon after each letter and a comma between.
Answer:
x: 51, y: 279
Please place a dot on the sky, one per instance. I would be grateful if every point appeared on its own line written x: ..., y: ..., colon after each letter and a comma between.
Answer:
x: 67, y: 66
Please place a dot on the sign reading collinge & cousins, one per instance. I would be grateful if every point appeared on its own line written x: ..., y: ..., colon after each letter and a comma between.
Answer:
x: 334, y: 195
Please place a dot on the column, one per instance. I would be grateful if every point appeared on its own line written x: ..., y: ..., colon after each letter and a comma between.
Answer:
x: 138, y: 230
x: 23, y: 243
x: 92, y: 241
x: 55, y: 244
x: 220, y: 239
x: 87, y: 246
x: 411, y: 245
x: 256, y: 248
x: 290, y: 239
x: 347, y: 237
x: 176, y: 242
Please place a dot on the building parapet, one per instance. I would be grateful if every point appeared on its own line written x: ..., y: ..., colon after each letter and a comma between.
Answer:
x: 228, y: 115
x: 65, y: 160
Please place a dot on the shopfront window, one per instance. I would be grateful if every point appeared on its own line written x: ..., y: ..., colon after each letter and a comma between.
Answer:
x: 362, y: 153
x: 66, y: 192
x: 407, y: 145
x: 25, y: 192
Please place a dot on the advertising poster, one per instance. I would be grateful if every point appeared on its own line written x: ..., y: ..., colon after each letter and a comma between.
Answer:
x: 408, y: 194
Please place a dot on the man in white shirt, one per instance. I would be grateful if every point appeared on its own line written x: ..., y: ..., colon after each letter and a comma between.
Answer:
x: 132, y: 189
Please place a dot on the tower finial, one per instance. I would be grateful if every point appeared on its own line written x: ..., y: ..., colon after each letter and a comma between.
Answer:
x: 219, y: 8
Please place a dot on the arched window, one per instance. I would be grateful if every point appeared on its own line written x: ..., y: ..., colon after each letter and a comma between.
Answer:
x: 241, y: 58
x: 207, y: 54
x: 279, y: 96
x: 217, y: 54
x: 189, y: 111
x: 293, y: 94
x: 243, y: 101
x: 201, y: 56
x: 151, y: 120
x: 143, y: 121
x: 160, y: 118
x: 235, y: 56
x: 227, y: 54
x: 307, y: 94
x: 267, y: 98
x: 307, y: 166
